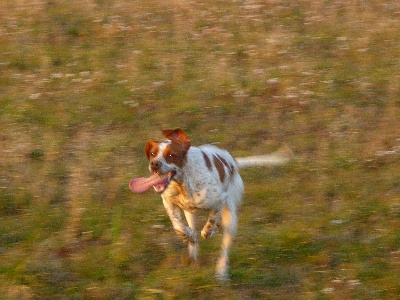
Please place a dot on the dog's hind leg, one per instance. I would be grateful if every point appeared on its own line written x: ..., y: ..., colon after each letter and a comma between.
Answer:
x: 229, y: 227
x: 193, y: 245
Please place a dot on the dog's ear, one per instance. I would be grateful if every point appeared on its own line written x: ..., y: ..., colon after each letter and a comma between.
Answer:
x: 177, y: 136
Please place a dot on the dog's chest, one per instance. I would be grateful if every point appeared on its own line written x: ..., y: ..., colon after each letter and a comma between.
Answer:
x: 178, y: 195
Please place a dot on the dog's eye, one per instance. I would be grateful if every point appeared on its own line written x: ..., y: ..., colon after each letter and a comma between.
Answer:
x: 153, y: 154
x: 171, y: 156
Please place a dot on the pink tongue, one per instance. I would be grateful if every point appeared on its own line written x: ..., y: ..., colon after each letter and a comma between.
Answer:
x: 140, y: 185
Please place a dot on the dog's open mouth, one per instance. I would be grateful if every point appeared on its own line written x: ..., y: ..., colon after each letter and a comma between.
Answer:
x: 162, y: 185
x: 159, y: 181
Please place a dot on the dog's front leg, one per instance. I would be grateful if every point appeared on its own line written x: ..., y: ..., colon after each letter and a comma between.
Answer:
x: 193, y: 245
x: 174, y: 213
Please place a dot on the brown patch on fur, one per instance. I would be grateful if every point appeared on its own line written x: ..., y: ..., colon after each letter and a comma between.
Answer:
x: 232, y: 170
x: 177, y: 136
x: 229, y: 166
x: 151, y: 149
x: 220, y: 168
x: 175, y: 154
x: 207, y: 160
x: 223, y: 160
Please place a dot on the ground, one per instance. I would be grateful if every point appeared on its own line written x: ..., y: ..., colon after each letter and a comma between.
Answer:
x: 84, y: 84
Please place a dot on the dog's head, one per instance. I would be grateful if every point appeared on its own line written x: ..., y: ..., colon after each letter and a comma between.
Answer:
x: 168, y: 157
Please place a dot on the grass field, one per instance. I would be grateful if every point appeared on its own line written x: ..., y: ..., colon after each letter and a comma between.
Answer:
x: 84, y: 84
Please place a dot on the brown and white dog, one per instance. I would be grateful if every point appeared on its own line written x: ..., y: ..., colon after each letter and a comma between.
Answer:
x: 199, y: 178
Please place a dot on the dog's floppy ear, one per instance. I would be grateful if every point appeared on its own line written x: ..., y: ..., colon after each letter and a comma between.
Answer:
x: 177, y: 136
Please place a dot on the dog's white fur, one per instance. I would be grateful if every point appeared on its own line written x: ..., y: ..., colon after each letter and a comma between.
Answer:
x: 202, y: 178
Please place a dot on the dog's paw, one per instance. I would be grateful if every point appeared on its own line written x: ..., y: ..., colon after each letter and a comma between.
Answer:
x: 222, y: 278
x: 222, y: 268
x: 188, y: 236
x: 206, y: 232
x: 209, y: 230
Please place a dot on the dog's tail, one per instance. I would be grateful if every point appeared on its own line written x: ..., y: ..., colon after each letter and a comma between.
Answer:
x: 278, y: 158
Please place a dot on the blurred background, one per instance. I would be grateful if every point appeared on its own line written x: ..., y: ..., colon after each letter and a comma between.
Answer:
x: 84, y: 84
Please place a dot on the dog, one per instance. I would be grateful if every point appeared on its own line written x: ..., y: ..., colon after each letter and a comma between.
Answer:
x: 195, y: 179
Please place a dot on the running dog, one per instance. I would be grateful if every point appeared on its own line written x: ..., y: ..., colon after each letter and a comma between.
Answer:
x: 199, y: 178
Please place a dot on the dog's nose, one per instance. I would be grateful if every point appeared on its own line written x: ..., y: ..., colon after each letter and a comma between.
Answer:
x: 155, y: 165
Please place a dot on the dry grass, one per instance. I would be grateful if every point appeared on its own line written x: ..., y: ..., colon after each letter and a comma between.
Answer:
x: 83, y: 85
